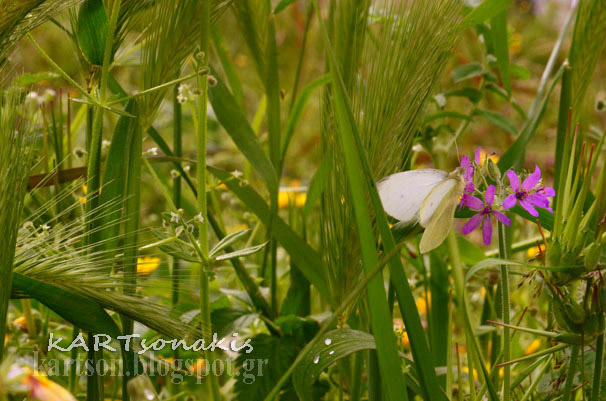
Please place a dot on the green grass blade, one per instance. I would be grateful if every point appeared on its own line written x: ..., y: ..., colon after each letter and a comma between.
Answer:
x: 76, y: 309
x: 517, y: 149
x: 488, y: 9
x: 91, y: 31
x: 231, y: 117
x: 228, y: 66
x: 302, y: 254
x: 272, y: 90
x: 380, y: 318
x: 498, y: 31
x: 294, y: 117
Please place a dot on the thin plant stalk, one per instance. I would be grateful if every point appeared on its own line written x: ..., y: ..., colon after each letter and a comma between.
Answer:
x: 506, y: 314
x: 570, y: 372
x: 94, y: 389
x: 177, y: 150
x: 201, y: 129
x: 597, y: 373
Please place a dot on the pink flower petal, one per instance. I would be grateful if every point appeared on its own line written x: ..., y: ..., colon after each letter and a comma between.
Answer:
x: 469, y: 188
x: 489, y: 195
x: 465, y: 161
x: 487, y: 230
x: 548, y: 191
x: 472, y: 223
x: 476, y: 157
x: 532, y: 180
x: 514, y: 181
x: 538, y: 200
x: 501, y: 217
x: 529, y: 208
x: 510, y: 201
x: 472, y: 202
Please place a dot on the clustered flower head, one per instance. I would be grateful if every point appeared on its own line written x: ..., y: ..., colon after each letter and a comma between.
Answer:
x: 531, y: 194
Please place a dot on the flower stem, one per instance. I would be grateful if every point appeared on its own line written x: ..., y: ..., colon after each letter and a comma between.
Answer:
x: 506, y: 313
x: 597, y: 373
x: 570, y: 373
x: 201, y: 129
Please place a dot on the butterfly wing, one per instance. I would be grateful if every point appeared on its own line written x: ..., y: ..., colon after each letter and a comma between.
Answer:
x: 438, y: 224
x: 434, y: 199
x: 402, y: 194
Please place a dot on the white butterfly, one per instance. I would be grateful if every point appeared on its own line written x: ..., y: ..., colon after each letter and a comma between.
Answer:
x: 428, y: 197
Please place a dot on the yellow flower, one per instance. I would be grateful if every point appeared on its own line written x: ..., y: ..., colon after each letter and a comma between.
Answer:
x: 288, y: 197
x: 533, y: 347
x: 6, y: 338
x: 534, y: 251
x: 20, y: 323
x: 515, y: 43
x: 422, y: 302
x: 475, y: 372
x: 147, y: 264
x: 483, y: 155
x: 42, y: 388
x: 501, y: 373
x: 198, y: 368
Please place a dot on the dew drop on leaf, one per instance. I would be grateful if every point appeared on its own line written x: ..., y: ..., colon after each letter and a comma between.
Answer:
x: 328, y: 341
x: 331, y: 352
x: 316, y: 359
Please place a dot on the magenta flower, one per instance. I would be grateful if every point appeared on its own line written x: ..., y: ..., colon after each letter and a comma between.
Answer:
x: 528, y: 196
x: 484, y: 217
x: 469, y: 171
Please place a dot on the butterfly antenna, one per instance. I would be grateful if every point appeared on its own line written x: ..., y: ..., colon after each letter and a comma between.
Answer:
x: 457, y: 149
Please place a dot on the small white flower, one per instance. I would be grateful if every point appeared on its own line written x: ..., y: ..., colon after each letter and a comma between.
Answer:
x: 199, y: 218
x: 152, y: 151
x: 45, y: 227
x: 32, y: 97
x: 237, y: 173
x: 105, y: 144
x: 174, y: 173
x: 174, y: 217
x: 187, y: 168
x: 49, y: 95
x: 79, y: 152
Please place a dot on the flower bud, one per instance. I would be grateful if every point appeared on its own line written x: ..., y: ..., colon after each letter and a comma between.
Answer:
x: 493, y: 171
x: 574, y: 312
x: 554, y: 253
x: 592, y: 257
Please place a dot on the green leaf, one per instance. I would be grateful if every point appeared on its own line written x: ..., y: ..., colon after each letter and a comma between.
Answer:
x: 334, y: 345
x: 91, y: 31
x: 445, y: 114
x: 231, y: 117
x: 228, y: 320
x: 282, y: 5
x: 499, y: 120
x: 472, y: 94
x: 228, y: 240
x: 467, y: 71
x: 520, y: 72
x: 307, y: 259
x: 114, y: 176
x: 488, y: 9
x: 517, y: 149
x: 498, y: 32
x: 28, y: 79
x: 316, y: 187
x: 76, y: 309
x: 241, y: 252
x: 276, y: 354
x: 297, y: 110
